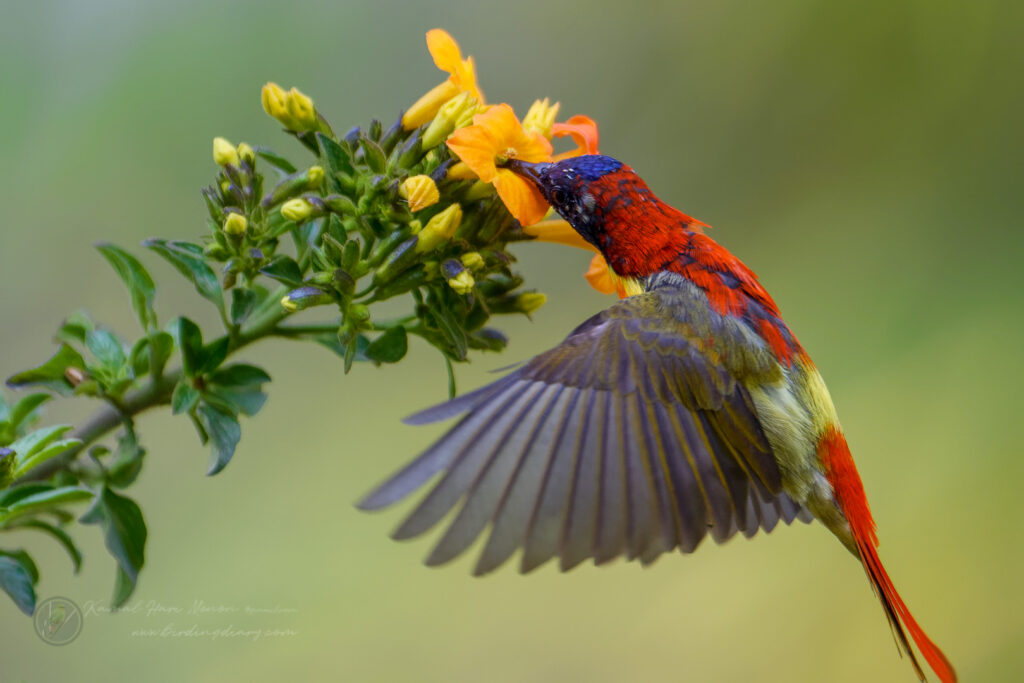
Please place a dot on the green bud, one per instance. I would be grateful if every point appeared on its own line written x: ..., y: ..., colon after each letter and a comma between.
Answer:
x: 528, y: 302
x: 359, y: 313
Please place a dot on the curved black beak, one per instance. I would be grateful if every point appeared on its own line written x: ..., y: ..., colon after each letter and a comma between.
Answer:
x: 525, y: 169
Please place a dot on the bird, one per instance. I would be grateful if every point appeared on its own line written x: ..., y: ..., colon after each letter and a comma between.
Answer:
x: 686, y: 410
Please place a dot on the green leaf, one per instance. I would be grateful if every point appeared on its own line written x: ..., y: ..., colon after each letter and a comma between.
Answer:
x: 60, y: 536
x: 135, y: 277
x: 44, y: 454
x: 17, y: 583
x: 123, y: 588
x: 284, y: 269
x: 389, y: 347
x: 214, y: 354
x: 124, y: 534
x: 74, y: 329
x: 154, y: 350
x: 107, y: 349
x: 239, y: 375
x: 235, y: 401
x: 44, y: 500
x: 333, y: 157
x: 190, y: 341
x: 243, y: 301
x: 12, y: 495
x: 34, y: 441
x: 374, y: 155
x: 188, y: 259
x: 22, y: 411
x: 275, y: 159
x: 184, y: 398
x: 224, y: 432
x: 51, y: 373
x: 126, y: 467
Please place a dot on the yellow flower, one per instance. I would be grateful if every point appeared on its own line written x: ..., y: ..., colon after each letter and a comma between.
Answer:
x: 439, y: 229
x: 420, y: 191
x: 460, y: 171
x: 496, y: 136
x: 462, y: 78
x: 224, y: 153
x: 541, y: 117
x: 235, y: 224
x: 462, y: 283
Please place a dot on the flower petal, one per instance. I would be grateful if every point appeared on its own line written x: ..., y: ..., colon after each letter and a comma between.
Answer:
x: 445, y: 51
x: 583, y: 131
x: 523, y: 200
x: 558, y: 231
x: 599, y: 276
x: 476, y: 147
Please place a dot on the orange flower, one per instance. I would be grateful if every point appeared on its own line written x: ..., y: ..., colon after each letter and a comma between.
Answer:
x: 583, y: 131
x: 462, y: 78
x: 495, y: 136
x: 599, y: 275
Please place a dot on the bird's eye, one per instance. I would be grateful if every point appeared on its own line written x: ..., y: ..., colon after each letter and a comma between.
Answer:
x: 558, y: 196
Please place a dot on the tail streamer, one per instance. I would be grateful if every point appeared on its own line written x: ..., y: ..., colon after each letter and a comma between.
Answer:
x: 849, y: 493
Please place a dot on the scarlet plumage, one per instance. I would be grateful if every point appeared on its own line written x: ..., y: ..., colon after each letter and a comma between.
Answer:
x: 687, y: 409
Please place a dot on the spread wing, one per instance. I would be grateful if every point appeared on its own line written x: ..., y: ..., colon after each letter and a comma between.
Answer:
x: 633, y: 437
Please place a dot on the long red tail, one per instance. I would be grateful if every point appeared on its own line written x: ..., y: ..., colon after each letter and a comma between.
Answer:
x: 849, y: 492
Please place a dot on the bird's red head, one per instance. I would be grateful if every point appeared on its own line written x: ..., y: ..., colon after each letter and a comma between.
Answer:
x: 611, y: 207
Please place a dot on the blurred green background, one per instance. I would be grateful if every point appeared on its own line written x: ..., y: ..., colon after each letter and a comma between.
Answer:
x: 864, y: 158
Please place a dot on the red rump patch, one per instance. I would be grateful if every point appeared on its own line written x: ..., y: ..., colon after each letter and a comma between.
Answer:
x: 842, y: 473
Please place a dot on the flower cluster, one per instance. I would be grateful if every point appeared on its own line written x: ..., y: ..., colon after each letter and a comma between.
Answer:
x: 484, y: 136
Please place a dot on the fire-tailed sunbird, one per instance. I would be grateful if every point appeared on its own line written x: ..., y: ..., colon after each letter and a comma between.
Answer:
x: 689, y: 408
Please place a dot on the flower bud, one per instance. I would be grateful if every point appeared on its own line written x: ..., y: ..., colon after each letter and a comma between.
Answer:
x: 235, y: 224
x: 246, y: 153
x: 460, y: 171
x: 224, y: 152
x: 297, y: 210
x: 420, y: 190
x: 456, y: 113
x: 316, y: 177
x: 439, y: 229
x: 304, y: 297
x: 275, y: 103
x: 462, y: 283
x: 426, y: 107
x: 473, y: 260
x: 301, y: 109
x: 528, y: 302
x: 541, y: 117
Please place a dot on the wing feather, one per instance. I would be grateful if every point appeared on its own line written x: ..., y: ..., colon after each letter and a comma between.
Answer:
x: 635, y: 436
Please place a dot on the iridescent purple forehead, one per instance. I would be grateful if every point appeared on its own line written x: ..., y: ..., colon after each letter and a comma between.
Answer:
x: 590, y: 167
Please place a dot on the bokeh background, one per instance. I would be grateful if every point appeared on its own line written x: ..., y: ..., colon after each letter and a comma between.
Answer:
x: 864, y: 158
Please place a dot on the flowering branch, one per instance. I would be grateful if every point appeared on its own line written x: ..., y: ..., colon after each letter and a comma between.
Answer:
x: 376, y: 214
